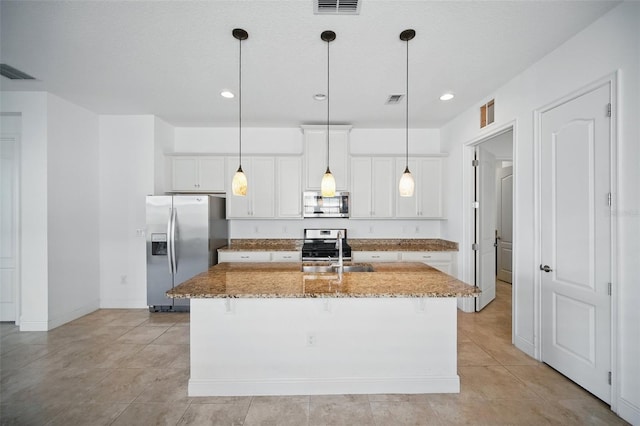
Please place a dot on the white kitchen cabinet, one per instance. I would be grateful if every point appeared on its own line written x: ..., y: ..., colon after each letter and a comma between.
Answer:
x: 197, y: 174
x: 315, y: 155
x: 374, y: 256
x: 445, y: 261
x: 259, y: 256
x: 244, y: 256
x: 289, y: 187
x: 259, y: 203
x: 427, y: 201
x: 372, y: 187
x: 286, y: 256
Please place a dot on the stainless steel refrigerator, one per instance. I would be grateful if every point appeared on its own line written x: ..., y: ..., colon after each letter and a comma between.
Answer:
x: 183, y: 235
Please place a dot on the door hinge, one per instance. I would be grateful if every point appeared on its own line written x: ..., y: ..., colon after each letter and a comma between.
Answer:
x: 609, y: 199
x: 609, y: 110
x: 609, y: 379
x: 475, y: 205
x: 475, y: 163
x: 475, y: 247
x: 609, y: 289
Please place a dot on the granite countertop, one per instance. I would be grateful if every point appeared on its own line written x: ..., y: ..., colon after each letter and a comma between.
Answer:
x: 357, y: 244
x: 286, y: 280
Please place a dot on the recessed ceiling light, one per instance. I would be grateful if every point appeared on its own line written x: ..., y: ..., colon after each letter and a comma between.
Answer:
x: 447, y: 97
x: 320, y: 97
x: 227, y: 94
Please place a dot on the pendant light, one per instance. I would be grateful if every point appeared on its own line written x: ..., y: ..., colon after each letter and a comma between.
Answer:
x: 239, y: 182
x: 407, y: 184
x: 328, y: 185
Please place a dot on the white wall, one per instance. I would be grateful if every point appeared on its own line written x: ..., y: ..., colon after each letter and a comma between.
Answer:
x: 72, y: 193
x: 127, y: 167
x: 33, y: 208
x: 610, y: 44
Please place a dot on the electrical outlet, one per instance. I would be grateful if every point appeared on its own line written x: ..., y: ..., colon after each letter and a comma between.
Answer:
x: 311, y: 339
x: 417, y: 229
x: 123, y: 279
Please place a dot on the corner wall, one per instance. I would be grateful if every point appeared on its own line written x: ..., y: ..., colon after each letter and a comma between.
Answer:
x: 72, y: 192
x: 610, y: 44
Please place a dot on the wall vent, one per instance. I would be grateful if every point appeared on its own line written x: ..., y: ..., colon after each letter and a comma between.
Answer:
x: 394, y: 99
x: 14, y: 74
x: 336, y: 7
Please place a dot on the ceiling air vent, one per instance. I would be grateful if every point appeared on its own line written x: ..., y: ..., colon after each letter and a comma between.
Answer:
x: 14, y: 74
x: 336, y: 7
x: 394, y: 99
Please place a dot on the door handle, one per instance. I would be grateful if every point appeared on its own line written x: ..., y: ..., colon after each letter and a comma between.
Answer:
x: 169, y: 253
x: 545, y: 268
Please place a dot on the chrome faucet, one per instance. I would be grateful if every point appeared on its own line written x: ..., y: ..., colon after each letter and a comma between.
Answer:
x: 340, y: 265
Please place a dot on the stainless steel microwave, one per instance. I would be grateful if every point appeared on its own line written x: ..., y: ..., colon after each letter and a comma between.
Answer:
x: 315, y: 205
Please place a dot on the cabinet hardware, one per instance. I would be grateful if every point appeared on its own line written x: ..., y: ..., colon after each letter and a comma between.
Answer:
x: 545, y: 268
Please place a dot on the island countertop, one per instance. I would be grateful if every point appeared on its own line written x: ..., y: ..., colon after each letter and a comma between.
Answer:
x: 286, y: 280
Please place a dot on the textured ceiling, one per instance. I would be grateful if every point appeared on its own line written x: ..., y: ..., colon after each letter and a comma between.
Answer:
x: 173, y: 58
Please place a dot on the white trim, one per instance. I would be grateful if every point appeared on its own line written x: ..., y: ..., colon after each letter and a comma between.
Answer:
x: 612, y: 81
x: 33, y: 325
x: 331, y: 386
x: 75, y: 314
x: 628, y: 411
x: 123, y: 304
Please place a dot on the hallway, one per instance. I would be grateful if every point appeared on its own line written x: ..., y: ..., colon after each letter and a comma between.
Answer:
x: 130, y: 367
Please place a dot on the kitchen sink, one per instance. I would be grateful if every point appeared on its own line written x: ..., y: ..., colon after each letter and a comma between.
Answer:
x: 347, y: 268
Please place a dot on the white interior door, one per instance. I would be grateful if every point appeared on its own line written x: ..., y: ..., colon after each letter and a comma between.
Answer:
x: 504, y: 193
x: 576, y: 240
x: 8, y: 227
x: 485, y: 226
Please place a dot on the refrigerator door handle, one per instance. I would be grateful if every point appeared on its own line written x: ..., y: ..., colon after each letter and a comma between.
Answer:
x: 169, y: 254
x: 174, y: 266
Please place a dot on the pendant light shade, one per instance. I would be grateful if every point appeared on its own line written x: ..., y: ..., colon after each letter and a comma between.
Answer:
x: 239, y: 182
x: 328, y: 184
x: 407, y: 184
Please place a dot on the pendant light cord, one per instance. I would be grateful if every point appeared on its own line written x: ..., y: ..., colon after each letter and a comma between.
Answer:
x: 406, y: 97
x: 240, y: 106
x: 328, y: 98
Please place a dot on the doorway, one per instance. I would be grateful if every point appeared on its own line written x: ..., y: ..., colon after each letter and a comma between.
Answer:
x: 493, y: 214
x: 9, y: 218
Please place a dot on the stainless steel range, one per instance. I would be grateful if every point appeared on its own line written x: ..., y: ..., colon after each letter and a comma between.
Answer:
x: 323, y: 244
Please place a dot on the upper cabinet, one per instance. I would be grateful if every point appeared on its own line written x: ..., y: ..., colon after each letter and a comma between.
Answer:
x: 259, y: 203
x: 372, y: 187
x: 315, y: 155
x: 427, y: 201
x: 289, y: 187
x: 197, y: 174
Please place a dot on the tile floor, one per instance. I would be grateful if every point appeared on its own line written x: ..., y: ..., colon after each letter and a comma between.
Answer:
x: 130, y: 367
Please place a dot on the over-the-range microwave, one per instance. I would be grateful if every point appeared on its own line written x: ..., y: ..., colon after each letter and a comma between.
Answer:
x: 316, y: 205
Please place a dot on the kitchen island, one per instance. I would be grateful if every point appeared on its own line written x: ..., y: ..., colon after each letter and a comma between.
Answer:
x: 272, y: 329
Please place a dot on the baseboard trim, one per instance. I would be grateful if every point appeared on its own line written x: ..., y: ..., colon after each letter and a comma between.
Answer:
x: 525, y: 346
x: 629, y: 411
x: 122, y: 304
x: 75, y: 314
x: 331, y: 386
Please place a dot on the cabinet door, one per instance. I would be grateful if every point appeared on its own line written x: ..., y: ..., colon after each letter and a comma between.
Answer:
x: 429, y: 188
x: 361, y: 187
x: 289, y: 187
x: 406, y: 207
x: 374, y: 256
x: 211, y: 173
x: 262, y: 187
x: 184, y: 174
x: 315, y: 153
x: 383, y: 188
x: 244, y: 256
x: 239, y: 207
